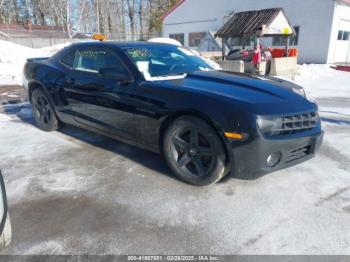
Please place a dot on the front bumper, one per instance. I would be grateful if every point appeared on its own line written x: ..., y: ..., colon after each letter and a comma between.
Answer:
x: 250, y: 158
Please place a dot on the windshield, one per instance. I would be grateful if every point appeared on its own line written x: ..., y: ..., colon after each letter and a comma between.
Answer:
x: 166, y: 62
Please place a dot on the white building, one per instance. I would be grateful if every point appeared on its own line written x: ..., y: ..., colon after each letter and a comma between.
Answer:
x: 323, y: 26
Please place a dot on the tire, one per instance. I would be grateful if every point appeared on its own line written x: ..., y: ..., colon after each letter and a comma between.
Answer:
x: 194, y: 151
x: 43, y: 111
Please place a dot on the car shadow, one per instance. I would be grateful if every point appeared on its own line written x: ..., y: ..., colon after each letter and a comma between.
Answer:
x: 141, y: 156
x: 146, y: 158
x: 335, y: 121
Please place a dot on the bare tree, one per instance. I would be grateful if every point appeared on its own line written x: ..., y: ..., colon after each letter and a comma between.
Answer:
x: 120, y: 23
x: 69, y: 15
x: 118, y: 19
x: 141, y: 17
x: 1, y: 3
x: 158, y: 8
x: 2, y: 17
x: 131, y: 16
x: 42, y: 10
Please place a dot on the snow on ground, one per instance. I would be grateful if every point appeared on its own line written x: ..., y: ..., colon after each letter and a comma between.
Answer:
x: 331, y: 89
x: 322, y: 81
x: 13, y: 57
x: 73, y: 192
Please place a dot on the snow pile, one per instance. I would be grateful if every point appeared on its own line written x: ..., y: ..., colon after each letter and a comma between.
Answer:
x: 51, y: 50
x: 323, y: 82
x: 13, y: 57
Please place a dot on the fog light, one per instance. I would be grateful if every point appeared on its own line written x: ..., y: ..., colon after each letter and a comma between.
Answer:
x: 273, y: 159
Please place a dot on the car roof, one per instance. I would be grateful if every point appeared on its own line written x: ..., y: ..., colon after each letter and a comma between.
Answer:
x: 119, y: 44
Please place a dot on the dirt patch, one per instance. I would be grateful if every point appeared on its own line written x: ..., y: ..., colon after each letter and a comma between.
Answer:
x: 11, y: 94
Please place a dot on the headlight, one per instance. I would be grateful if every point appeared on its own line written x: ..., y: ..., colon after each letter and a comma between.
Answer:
x: 309, y: 96
x: 300, y: 91
x: 304, y: 93
x: 270, y: 125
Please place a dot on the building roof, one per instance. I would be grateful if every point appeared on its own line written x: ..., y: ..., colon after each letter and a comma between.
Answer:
x: 172, y: 9
x: 249, y: 22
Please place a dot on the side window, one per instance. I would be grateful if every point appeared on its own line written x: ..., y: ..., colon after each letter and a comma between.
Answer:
x: 97, y: 60
x: 68, y: 59
x: 178, y: 37
x: 281, y: 40
x: 293, y: 40
x: 87, y: 60
x: 195, y: 39
x: 343, y: 35
x: 340, y: 35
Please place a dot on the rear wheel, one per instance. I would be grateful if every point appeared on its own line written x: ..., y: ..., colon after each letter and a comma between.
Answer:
x: 194, y: 151
x: 43, y: 111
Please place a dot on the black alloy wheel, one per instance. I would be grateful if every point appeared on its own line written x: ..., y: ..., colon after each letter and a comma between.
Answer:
x: 194, y: 151
x: 44, y: 114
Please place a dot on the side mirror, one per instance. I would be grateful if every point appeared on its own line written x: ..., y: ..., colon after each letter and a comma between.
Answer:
x: 112, y: 73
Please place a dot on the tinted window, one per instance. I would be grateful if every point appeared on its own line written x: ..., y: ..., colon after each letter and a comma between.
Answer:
x: 195, y: 39
x: 95, y: 60
x: 68, y: 59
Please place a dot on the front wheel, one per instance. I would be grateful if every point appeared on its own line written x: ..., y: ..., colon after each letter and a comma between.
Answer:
x: 194, y: 151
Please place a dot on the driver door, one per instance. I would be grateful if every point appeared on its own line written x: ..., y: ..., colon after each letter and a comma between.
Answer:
x: 97, y: 90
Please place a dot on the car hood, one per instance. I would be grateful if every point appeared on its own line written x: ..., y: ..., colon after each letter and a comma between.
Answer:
x: 257, y: 91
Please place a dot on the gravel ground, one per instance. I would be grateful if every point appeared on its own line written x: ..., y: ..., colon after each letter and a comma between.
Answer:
x: 74, y: 192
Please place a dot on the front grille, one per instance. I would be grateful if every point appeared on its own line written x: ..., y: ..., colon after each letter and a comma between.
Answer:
x: 297, y: 154
x: 296, y: 124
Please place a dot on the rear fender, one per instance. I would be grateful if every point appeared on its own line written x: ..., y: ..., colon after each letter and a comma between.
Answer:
x: 36, y: 84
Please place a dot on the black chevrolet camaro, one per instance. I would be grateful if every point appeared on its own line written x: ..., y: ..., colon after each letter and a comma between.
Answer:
x: 206, y: 123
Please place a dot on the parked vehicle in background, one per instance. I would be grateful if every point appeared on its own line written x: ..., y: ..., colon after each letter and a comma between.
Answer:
x: 206, y: 123
x: 5, y: 223
x: 246, y: 55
